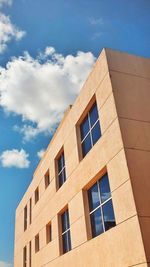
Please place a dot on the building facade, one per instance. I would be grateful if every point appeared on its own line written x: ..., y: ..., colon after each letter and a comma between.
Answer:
x: 88, y: 204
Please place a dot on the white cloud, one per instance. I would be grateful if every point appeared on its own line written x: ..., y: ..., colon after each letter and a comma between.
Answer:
x: 5, y: 264
x: 40, y: 90
x: 28, y: 131
x: 40, y: 153
x: 49, y: 51
x: 5, y: 2
x: 94, y: 21
x: 8, y: 31
x: 14, y: 158
x: 96, y: 35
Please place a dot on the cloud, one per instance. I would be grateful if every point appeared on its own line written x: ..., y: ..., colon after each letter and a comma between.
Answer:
x: 5, y: 2
x: 94, y: 21
x: 40, y: 153
x: 14, y: 158
x: 28, y: 131
x: 49, y: 51
x: 97, y: 35
x: 8, y: 31
x: 40, y: 89
x: 5, y: 264
x: 98, y: 23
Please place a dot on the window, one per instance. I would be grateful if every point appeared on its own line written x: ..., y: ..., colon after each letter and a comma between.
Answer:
x: 101, y: 207
x: 48, y: 233
x: 30, y: 254
x: 66, y: 239
x: 25, y: 257
x: 47, y: 179
x: 61, y: 169
x: 37, y: 243
x: 30, y: 218
x: 36, y: 194
x: 90, y: 130
x: 25, y: 218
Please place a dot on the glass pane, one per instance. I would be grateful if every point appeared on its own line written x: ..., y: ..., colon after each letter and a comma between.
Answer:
x: 69, y: 240
x: 93, y: 197
x: 64, y: 174
x: 66, y: 242
x: 59, y: 165
x: 108, y: 214
x: 65, y: 221
x: 96, y: 223
x: 96, y: 133
x: 63, y: 160
x: 86, y: 145
x: 104, y: 188
x: 84, y: 127
x: 93, y: 114
x: 61, y: 179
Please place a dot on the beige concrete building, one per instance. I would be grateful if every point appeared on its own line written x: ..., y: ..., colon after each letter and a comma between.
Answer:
x: 88, y: 204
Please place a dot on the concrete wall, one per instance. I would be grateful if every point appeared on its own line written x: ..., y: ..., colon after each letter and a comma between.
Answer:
x: 121, y: 246
x: 130, y: 78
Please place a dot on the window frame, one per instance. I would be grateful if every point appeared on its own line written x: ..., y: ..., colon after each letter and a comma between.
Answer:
x: 64, y: 250
x: 36, y: 195
x: 25, y: 218
x: 48, y: 232
x: 98, y: 207
x: 30, y: 254
x: 47, y: 179
x: 83, y: 116
x: 30, y: 213
x: 90, y: 128
x: 37, y: 243
x: 63, y: 169
x: 25, y: 256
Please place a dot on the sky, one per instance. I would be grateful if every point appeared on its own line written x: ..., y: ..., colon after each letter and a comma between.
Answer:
x: 47, y: 49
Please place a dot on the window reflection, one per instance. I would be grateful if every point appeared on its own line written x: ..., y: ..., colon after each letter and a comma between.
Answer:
x: 66, y: 239
x: 104, y: 188
x: 108, y: 214
x: 96, y: 223
x: 61, y: 169
x: 90, y: 130
x: 93, y: 197
x: 100, y: 206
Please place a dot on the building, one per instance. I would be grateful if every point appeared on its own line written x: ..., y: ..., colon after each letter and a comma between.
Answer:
x: 88, y: 204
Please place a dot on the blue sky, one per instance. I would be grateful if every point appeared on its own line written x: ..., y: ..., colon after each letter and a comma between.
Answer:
x: 44, y: 47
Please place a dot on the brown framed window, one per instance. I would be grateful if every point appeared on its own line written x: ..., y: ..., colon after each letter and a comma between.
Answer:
x: 25, y: 218
x: 30, y: 254
x: 65, y: 232
x: 30, y: 218
x: 36, y: 195
x: 48, y: 233
x: 47, y: 179
x: 25, y: 256
x: 61, y: 169
x: 37, y: 243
